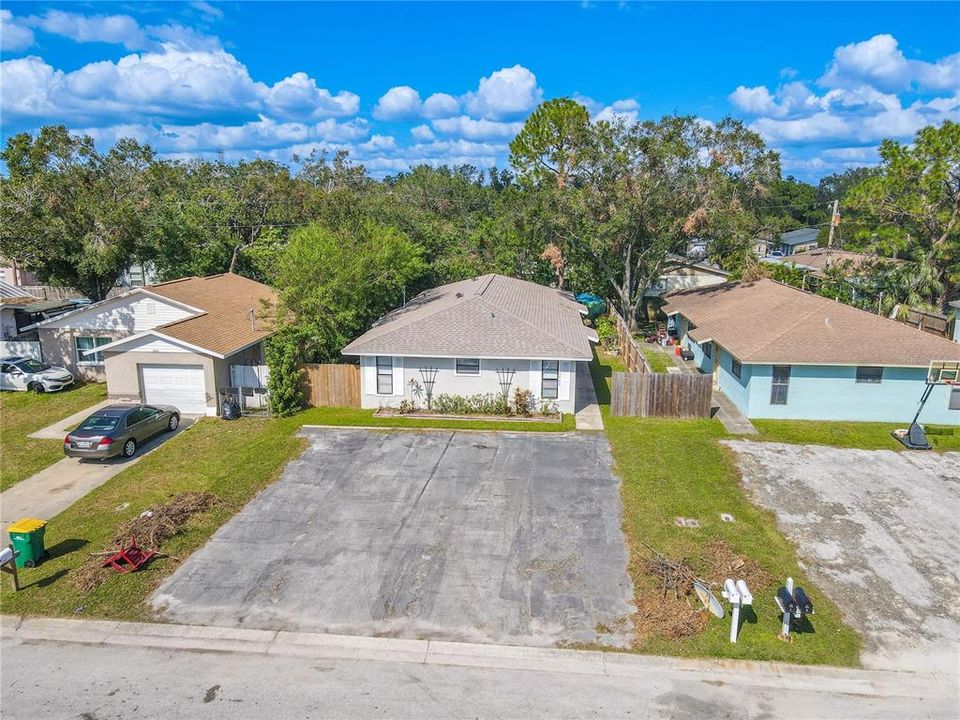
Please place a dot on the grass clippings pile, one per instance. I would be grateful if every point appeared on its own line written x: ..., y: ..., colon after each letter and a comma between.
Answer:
x: 149, y: 529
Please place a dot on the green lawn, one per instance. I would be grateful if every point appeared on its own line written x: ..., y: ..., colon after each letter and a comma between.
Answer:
x: 863, y: 435
x: 659, y: 361
x: 22, y: 413
x: 676, y: 468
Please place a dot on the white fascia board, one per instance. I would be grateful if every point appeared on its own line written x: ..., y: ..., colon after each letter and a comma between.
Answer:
x: 122, y: 341
x: 499, y: 356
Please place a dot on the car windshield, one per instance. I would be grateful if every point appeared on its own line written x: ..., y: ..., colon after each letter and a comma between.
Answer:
x: 99, y: 423
x: 32, y: 366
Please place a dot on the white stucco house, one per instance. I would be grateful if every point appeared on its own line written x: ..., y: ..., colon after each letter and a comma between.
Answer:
x: 489, y: 334
x: 170, y: 343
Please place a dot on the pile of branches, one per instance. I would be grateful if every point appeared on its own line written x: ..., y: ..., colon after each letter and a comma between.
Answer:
x: 148, y: 530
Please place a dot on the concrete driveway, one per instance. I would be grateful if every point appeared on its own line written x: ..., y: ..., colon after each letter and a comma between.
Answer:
x: 55, y: 488
x: 878, y: 531
x: 484, y: 537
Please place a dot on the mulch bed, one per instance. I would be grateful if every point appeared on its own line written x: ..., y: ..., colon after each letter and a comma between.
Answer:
x: 383, y: 412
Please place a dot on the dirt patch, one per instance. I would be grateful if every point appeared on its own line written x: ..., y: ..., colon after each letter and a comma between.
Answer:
x: 723, y: 562
x: 149, y: 530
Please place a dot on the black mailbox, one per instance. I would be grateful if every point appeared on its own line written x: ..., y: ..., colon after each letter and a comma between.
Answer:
x: 785, y: 601
x: 803, y: 601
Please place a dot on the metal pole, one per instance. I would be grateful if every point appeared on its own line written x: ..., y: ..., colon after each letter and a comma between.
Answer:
x: 785, y: 626
x: 734, y: 622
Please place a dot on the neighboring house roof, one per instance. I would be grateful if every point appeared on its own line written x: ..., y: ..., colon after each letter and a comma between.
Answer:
x: 233, y: 315
x: 490, y: 316
x: 229, y: 313
x: 767, y: 322
x: 800, y: 237
x: 12, y: 295
x: 818, y: 260
x: 677, y: 262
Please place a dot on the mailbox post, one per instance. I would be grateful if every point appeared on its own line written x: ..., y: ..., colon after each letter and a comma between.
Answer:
x: 737, y: 594
x: 793, y: 602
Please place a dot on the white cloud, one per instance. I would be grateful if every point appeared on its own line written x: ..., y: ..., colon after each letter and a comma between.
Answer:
x: 116, y: 29
x: 398, y: 103
x: 261, y: 134
x: 440, y: 105
x: 627, y: 109
x: 422, y: 133
x: 171, y: 82
x: 880, y: 62
x: 472, y: 129
x: 505, y: 93
x: 13, y: 35
x: 207, y: 9
x: 298, y: 96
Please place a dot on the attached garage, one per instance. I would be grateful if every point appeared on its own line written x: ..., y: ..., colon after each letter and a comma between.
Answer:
x: 180, y: 385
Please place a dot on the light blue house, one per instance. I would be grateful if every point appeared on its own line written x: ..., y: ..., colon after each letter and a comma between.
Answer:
x: 779, y: 352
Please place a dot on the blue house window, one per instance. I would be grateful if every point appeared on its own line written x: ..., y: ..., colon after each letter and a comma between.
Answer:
x: 735, y: 367
x: 780, y: 384
x: 955, y: 398
x: 707, y: 349
x: 872, y: 375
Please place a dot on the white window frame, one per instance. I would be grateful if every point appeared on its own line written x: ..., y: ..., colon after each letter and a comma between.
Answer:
x: 89, y: 360
x: 774, y: 385
x: 378, y: 374
x: 554, y: 379
x: 456, y: 366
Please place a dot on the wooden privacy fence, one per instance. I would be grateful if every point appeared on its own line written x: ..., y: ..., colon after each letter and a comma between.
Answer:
x: 331, y: 385
x: 630, y: 350
x: 661, y: 395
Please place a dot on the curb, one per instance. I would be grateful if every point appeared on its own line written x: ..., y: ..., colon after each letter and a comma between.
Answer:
x: 873, y: 683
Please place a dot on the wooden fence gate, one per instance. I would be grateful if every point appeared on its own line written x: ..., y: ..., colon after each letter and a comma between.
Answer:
x: 661, y: 395
x: 331, y: 385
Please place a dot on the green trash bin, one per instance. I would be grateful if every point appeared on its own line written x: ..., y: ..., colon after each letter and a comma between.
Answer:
x: 26, y: 536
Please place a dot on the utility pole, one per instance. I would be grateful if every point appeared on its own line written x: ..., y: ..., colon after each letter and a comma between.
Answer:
x: 834, y: 221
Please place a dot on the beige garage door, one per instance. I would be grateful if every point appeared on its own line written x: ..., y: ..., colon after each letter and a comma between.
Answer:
x: 179, y: 385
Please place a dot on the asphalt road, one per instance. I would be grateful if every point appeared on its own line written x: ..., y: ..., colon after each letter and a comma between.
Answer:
x: 112, y: 671
x: 480, y: 537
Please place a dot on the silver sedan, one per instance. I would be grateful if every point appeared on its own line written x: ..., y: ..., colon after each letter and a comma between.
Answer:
x: 119, y: 430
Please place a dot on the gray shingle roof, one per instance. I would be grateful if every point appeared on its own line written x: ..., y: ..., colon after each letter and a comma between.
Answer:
x: 797, y: 237
x: 490, y: 316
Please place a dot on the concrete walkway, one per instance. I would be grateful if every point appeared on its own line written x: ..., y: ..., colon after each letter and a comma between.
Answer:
x: 59, y: 429
x: 733, y: 420
x: 585, y: 401
x: 209, y: 672
x: 54, y: 489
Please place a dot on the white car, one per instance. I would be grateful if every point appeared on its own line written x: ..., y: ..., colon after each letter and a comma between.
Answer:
x: 23, y: 373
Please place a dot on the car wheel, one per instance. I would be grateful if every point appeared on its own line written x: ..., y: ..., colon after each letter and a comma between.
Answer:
x: 129, y: 448
x: 35, y: 387
x: 174, y: 422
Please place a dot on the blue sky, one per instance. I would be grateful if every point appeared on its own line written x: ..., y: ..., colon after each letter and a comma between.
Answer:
x: 399, y: 84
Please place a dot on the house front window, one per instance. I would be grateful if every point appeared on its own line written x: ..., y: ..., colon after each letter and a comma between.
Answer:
x: 954, y: 399
x: 780, y: 384
x: 468, y: 366
x: 708, y: 350
x: 736, y: 367
x: 550, y: 380
x: 83, y: 344
x: 384, y: 375
x: 870, y: 375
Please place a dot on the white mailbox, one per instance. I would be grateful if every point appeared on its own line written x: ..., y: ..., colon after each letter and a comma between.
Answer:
x: 738, y: 594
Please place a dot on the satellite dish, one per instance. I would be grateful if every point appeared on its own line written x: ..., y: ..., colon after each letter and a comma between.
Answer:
x: 708, y: 599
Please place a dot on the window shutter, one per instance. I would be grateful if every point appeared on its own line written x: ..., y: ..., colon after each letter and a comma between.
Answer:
x: 535, y: 370
x: 563, y: 390
x: 369, y: 374
x: 398, y: 388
